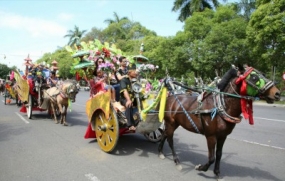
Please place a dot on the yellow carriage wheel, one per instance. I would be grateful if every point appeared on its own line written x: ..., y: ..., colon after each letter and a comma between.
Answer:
x: 107, y: 130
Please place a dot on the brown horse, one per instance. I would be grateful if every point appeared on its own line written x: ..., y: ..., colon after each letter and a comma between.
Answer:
x: 217, y: 113
x: 59, y: 99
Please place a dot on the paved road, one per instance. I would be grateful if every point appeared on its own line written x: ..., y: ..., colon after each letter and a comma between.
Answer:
x: 39, y: 150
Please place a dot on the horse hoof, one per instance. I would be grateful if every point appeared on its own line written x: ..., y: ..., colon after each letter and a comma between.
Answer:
x: 65, y: 124
x: 161, y: 156
x: 179, y: 167
x: 197, y: 167
x: 56, y: 122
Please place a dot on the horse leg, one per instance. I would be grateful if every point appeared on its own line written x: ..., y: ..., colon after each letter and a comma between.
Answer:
x: 53, y: 112
x: 219, y: 152
x: 60, y: 108
x: 64, y: 115
x: 211, y: 142
x: 175, y: 157
x: 161, y: 144
x: 169, y: 132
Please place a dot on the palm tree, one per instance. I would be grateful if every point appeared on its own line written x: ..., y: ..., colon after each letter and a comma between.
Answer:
x: 188, y: 7
x: 74, y: 35
x: 117, y: 27
x: 116, y: 20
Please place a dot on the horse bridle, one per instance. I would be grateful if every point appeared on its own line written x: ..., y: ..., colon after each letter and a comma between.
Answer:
x: 67, y: 93
x: 267, y: 86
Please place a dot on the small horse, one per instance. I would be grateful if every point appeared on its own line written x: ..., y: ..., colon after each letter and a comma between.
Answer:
x: 59, y: 99
x: 216, y: 115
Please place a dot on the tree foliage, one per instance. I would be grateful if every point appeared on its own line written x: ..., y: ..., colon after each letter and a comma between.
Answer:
x: 5, y: 70
x: 64, y: 62
x: 216, y: 39
x: 265, y: 34
x: 211, y: 39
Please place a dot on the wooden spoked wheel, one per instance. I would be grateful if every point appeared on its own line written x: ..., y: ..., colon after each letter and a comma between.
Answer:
x: 29, y: 107
x: 107, y: 130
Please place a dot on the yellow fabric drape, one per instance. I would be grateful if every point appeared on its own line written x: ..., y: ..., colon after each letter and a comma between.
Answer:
x: 162, y: 104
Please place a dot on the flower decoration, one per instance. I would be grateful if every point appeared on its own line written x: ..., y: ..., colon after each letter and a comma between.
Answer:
x: 107, y: 67
x: 106, y: 52
x: 147, y: 68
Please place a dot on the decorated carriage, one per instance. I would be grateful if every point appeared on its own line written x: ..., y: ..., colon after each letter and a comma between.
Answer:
x: 10, y: 93
x: 107, y: 121
x: 30, y: 93
x: 30, y: 87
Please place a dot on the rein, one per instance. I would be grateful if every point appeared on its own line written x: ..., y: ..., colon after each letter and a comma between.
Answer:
x: 219, y: 107
x: 215, y: 91
x: 171, y: 88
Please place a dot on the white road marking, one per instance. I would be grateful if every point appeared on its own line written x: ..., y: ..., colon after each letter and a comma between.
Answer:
x: 255, y: 143
x: 270, y: 119
x: 91, y: 177
x: 2, y: 100
x: 23, y: 119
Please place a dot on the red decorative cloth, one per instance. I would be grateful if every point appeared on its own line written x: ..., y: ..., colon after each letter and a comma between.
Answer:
x: 89, y: 132
x: 77, y: 76
x: 246, y: 105
x: 24, y: 109
x: 95, y: 87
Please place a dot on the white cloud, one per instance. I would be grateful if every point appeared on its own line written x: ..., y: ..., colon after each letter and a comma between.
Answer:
x: 65, y: 16
x: 36, y: 26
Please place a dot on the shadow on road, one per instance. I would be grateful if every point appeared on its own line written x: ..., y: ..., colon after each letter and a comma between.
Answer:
x: 189, y: 155
x: 72, y: 118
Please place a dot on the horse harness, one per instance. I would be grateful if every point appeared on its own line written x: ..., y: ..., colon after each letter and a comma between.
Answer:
x: 67, y: 92
x: 61, y: 92
x: 219, y: 106
x: 218, y: 98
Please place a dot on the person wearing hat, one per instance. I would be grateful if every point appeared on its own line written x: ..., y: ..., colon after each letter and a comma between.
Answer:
x: 127, y: 97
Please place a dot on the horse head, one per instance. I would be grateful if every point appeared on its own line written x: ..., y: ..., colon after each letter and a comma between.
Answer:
x: 251, y: 83
x: 70, y: 90
x: 254, y: 83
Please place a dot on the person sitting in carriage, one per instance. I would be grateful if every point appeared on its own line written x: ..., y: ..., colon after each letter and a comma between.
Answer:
x: 103, y: 79
x: 122, y: 71
x: 52, y: 80
x: 127, y: 98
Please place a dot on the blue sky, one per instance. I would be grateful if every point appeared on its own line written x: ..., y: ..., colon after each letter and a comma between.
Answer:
x: 36, y: 27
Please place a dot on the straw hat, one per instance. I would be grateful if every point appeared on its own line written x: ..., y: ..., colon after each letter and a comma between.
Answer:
x: 54, y: 62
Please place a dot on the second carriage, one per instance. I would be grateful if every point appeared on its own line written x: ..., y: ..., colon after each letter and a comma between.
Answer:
x: 10, y: 93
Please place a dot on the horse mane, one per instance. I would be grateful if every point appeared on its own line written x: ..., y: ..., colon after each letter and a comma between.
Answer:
x: 226, y: 78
